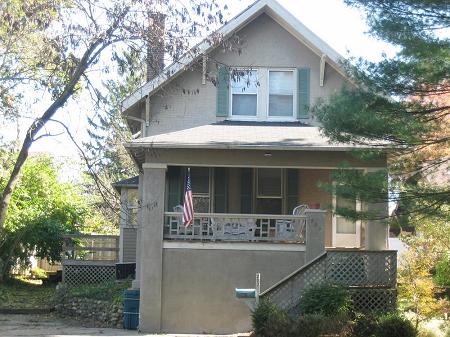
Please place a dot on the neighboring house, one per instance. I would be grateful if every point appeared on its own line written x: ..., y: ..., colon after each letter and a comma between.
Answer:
x: 255, y: 152
x: 128, y: 190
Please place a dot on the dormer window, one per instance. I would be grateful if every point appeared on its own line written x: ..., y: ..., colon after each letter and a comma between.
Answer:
x: 281, y: 93
x: 244, y: 93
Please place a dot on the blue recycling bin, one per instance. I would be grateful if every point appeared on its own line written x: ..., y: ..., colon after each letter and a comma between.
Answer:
x: 131, y: 309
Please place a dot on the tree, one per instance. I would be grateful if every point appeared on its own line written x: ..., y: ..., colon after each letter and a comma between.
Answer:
x: 418, y: 289
x: 42, y: 209
x: 400, y: 103
x: 69, y: 39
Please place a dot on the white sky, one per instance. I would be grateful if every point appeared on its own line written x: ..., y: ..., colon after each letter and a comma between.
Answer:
x: 343, y: 28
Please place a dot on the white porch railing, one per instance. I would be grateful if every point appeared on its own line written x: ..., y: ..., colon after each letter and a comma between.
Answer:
x: 237, y: 227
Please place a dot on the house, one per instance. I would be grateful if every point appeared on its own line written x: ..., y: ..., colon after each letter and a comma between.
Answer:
x: 128, y: 191
x: 240, y: 122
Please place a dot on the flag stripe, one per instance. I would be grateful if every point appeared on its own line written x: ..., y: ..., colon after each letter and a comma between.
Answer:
x: 188, y: 205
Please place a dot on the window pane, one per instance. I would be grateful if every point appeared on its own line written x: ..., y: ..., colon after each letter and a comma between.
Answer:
x: 345, y: 226
x: 200, y: 180
x: 281, y: 93
x: 244, y: 82
x: 281, y: 105
x: 269, y: 182
x: 244, y: 105
x: 345, y: 203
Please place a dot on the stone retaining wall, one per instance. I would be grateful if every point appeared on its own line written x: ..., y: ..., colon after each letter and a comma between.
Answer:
x: 99, y: 313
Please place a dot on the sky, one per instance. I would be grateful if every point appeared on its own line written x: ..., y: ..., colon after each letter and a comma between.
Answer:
x: 343, y: 28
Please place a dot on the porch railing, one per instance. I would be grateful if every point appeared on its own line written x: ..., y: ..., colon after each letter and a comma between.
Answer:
x: 237, y: 227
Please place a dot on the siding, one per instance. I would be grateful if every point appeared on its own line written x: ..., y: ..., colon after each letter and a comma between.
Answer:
x: 186, y: 103
x: 129, y: 244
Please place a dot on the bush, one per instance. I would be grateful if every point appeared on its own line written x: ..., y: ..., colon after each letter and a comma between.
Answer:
x: 38, y: 273
x: 270, y: 321
x: 393, y: 325
x: 107, y: 291
x: 364, y: 325
x: 326, y: 299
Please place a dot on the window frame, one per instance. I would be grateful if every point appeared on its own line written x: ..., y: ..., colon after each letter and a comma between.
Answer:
x: 260, y: 196
x: 293, y: 117
x: 244, y: 117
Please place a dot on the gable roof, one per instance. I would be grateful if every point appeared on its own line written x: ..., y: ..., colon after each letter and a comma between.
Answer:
x: 132, y: 182
x: 272, y: 8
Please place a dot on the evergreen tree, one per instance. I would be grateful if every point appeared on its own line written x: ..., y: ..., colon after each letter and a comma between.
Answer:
x: 402, y: 104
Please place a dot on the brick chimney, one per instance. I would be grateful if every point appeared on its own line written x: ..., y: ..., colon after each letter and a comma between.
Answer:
x: 155, y: 45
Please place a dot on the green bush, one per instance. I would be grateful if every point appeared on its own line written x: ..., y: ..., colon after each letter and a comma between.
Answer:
x: 313, y: 325
x: 393, y: 325
x: 325, y: 299
x: 270, y: 321
x: 38, y: 273
x: 364, y: 325
x: 107, y: 291
x: 442, y: 273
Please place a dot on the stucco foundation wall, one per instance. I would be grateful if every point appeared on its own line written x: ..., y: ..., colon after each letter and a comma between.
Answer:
x: 198, y: 286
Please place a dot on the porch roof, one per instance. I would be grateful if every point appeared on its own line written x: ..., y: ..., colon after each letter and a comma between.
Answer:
x: 242, y: 135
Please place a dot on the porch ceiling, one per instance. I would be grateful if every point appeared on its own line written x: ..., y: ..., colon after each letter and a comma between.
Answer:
x: 250, y: 136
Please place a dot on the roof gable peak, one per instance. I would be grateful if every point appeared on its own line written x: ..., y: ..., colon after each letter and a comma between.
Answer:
x: 272, y: 8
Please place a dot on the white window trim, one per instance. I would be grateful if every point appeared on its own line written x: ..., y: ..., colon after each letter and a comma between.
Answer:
x: 244, y: 117
x: 294, y: 91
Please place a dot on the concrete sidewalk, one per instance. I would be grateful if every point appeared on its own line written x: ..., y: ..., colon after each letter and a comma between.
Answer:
x: 52, y: 326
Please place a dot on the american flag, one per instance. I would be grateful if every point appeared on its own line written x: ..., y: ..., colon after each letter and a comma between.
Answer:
x: 188, y: 205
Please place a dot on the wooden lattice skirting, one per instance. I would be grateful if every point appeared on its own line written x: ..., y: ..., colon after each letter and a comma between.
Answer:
x: 87, y: 274
x: 373, y: 299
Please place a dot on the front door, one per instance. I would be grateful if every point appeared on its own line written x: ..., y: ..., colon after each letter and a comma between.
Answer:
x: 346, y: 233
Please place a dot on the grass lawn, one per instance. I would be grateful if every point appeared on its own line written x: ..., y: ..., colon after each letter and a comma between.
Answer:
x: 19, y: 293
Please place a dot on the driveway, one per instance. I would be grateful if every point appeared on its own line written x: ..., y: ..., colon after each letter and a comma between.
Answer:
x: 51, y: 326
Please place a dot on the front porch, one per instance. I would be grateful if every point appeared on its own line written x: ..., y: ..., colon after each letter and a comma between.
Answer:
x: 257, y: 205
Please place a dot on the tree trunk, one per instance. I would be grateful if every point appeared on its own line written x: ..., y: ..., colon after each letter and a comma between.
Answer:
x: 89, y: 56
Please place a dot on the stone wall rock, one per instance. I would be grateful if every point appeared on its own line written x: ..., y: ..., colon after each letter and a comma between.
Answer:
x: 98, y: 313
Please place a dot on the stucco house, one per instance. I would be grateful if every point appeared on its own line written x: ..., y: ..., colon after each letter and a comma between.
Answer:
x: 240, y: 121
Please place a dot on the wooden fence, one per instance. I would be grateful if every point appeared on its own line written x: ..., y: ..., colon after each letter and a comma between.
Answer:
x: 89, y: 258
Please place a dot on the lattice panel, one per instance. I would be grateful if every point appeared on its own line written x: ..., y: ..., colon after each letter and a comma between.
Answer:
x: 287, y: 293
x: 377, y: 300
x: 362, y: 268
x: 83, y: 274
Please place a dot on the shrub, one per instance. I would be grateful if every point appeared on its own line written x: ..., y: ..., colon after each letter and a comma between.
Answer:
x: 313, y: 325
x: 107, y: 291
x: 38, y: 273
x: 270, y: 321
x: 393, y: 325
x: 364, y: 325
x: 325, y: 299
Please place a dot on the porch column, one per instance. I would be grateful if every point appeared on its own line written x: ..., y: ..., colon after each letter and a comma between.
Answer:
x: 135, y: 283
x: 151, y: 246
x: 377, y: 230
x: 315, y: 234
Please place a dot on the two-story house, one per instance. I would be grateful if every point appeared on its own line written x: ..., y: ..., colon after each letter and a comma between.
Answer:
x: 240, y: 121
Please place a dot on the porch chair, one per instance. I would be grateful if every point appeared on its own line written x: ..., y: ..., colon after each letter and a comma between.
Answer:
x: 300, y: 223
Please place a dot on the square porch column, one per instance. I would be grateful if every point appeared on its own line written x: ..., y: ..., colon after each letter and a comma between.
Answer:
x: 151, y: 246
x: 137, y: 275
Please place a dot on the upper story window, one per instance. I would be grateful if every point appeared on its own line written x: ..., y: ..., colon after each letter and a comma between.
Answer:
x: 281, y: 93
x: 244, y: 93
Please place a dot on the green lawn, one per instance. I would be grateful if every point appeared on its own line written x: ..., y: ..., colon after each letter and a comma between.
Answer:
x: 20, y: 293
